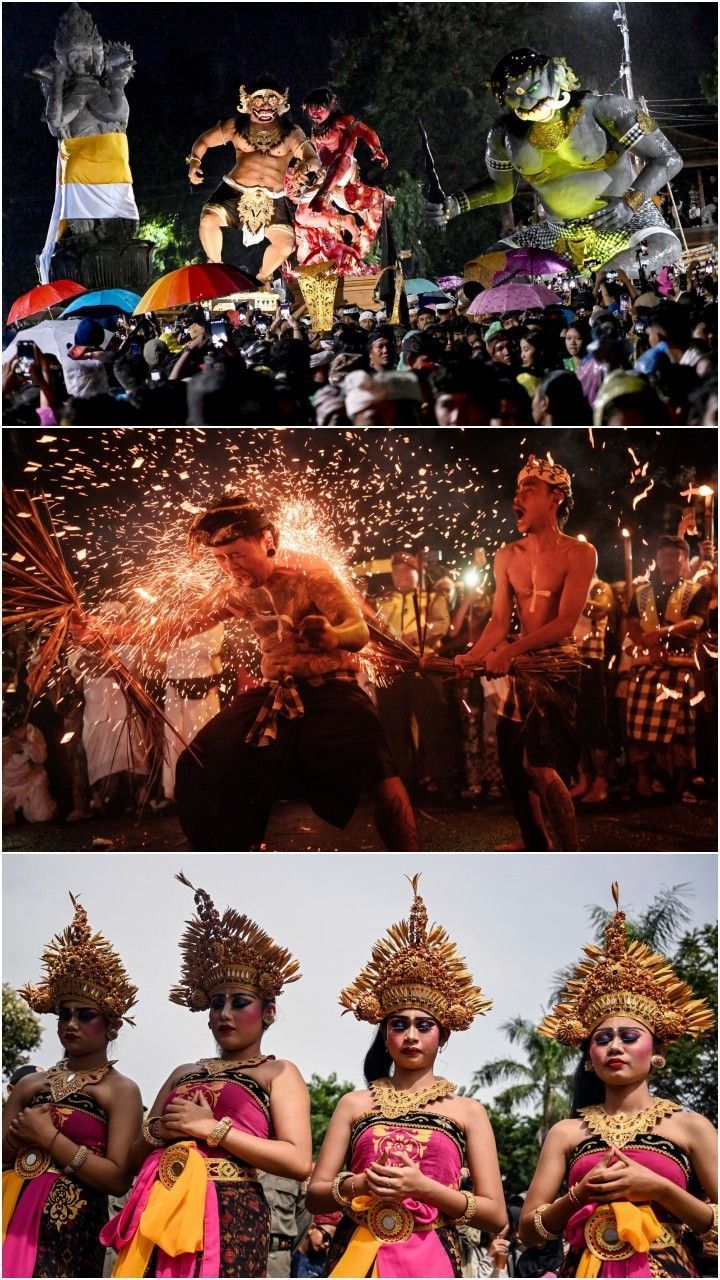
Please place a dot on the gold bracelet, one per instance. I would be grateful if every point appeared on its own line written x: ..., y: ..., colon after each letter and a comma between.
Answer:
x: 221, y: 1130
x: 539, y: 1225
x: 335, y: 1190
x: 77, y: 1161
x: 465, y: 1218
x: 189, y: 159
x: 573, y: 1197
x: 52, y: 1144
x: 148, y: 1134
x: 710, y: 1236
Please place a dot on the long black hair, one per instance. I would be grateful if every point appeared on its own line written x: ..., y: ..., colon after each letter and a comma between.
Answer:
x: 377, y: 1062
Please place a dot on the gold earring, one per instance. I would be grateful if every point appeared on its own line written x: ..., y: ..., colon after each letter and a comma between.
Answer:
x: 657, y: 1061
x: 588, y: 1066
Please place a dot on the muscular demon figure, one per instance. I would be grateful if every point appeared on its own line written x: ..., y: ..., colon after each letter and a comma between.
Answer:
x: 574, y: 149
x: 274, y: 163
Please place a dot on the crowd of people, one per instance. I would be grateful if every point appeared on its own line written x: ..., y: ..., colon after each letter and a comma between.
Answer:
x: 407, y: 1181
x: 615, y: 355
x: 645, y: 724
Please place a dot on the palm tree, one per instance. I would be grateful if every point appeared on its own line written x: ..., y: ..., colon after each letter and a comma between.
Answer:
x: 543, y: 1080
x: 660, y: 925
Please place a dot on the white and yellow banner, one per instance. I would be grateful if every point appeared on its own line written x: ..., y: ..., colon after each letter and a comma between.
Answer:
x: 93, y: 181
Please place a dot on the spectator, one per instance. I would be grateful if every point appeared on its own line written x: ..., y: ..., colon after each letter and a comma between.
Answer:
x: 465, y: 393
x: 382, y: 350
x: 383, y: 400
x: 559, y: 401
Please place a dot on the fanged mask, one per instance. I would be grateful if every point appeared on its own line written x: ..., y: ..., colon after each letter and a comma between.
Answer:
x: 263, y: 106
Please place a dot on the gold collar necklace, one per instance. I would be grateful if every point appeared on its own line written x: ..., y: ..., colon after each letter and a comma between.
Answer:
x: 548, y: 136
x: 618, y: 1129
x: 392, y: 1102
x: 262, y: 140
x: 62, y: 1082
x: 217, y: 1066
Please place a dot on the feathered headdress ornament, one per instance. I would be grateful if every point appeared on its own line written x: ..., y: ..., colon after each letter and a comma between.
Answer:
x: 416, y: 968
x: 228, y: 950
x: 82, y: 965
x: 626, y: 978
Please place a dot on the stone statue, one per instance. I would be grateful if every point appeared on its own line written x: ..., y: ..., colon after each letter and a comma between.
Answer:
x: 87, y: 110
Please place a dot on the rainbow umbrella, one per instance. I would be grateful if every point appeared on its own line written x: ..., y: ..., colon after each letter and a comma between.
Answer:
x: 42, y: 298
x: 198, y: 282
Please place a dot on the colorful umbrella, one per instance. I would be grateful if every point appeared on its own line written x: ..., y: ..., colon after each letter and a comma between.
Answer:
x: 42, y: 298
x: 102, y: 301
x: 513, y: 297
x: 450, y: 282
x: 494, y: 268
x: 195, y: 283
x: 421, y: 285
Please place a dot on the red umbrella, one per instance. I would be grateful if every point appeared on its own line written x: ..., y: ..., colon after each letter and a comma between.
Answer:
x: 42, y: 298
x: 513, y: 297
x: 195, y: 283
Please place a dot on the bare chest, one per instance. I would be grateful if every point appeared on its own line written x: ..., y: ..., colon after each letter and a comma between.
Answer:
x: 585, y: 145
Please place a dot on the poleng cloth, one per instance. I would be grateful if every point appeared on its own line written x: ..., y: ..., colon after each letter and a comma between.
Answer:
x: 93, y: 181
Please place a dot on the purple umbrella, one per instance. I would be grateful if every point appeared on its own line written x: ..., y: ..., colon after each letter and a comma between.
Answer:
x: 450, y: 282
x: 513, y: 297
x: 532, y: 262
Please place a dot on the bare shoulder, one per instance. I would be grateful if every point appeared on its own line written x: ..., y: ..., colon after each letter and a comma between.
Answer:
x: 582, y: 552
x: 565, y: 1135
x: 469, y: 1110
x: 296, y: 136
x: 280, y: 1069
x: 507, y: 553
x: 354, y: 1104
x: 123, y: 1086
x: 228, y: 129
x: 693, y: 1127
x: 26, y: 1088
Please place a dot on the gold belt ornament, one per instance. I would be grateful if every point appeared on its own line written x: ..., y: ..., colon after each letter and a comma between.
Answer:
x: 603, y: 1241
x: 219, y: 1169
x: 389, y: 1221
x: 256, y: 209
x: 33, y: 1161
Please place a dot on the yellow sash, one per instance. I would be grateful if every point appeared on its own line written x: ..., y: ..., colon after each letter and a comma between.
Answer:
x: 173, y: 1219
x: 12, y: 1185
x: 636, y: 1225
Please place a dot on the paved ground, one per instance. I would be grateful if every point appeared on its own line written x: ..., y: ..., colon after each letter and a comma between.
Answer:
x: 663, y: 828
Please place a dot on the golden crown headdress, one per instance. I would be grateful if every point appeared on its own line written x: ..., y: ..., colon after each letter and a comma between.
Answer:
x: 416, y: 968
x: 630, y: 978
x: 228, y: 950
x: 82, y: 965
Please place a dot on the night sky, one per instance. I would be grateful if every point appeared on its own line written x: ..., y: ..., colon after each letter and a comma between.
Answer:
x: 444, y: 490
x: 191, y: 58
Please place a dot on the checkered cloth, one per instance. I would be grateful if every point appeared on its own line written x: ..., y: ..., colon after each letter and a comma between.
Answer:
x: 284, y: 699
x: 603, y: 244
x: 658, y: 704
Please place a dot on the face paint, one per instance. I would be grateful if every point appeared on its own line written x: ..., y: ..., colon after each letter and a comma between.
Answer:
x: 413, y: 1038
x: 620, y: 1048
x: 81, y: 1028
x: 236, y: 1019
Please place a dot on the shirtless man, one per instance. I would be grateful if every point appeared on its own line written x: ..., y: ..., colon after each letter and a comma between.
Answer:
x: 273, y: 159
x: 309, y: 728
x: 545, y: 576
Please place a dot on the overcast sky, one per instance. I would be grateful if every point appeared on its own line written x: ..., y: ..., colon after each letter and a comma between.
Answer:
x: 516, y: 918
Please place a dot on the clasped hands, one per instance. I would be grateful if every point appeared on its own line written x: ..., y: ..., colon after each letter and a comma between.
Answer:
x: 618, y: 1177
x: 392, y: 1182
x: 32, y: 1127
x: 185, y: 1118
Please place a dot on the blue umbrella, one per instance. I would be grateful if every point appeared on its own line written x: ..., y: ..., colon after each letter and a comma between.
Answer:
x: 421, y: 285
x: 102, y: 301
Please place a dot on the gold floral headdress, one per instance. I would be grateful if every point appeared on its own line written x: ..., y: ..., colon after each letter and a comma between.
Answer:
x: 82, y: 965
x: 228, y: 950
x: 630, y: 978
x: 413, y: 968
